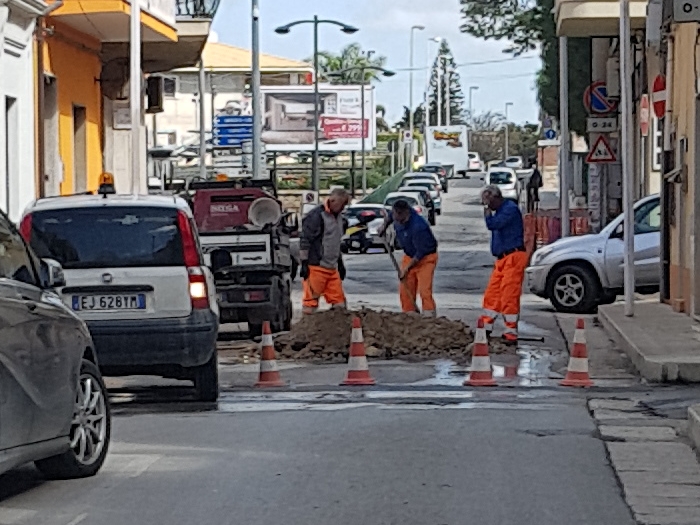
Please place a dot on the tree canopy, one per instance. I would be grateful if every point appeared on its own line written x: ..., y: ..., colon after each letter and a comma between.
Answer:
x: 529, y: 25
x: 351, y: 56
x: 450, y: 83
x: 488, y: 137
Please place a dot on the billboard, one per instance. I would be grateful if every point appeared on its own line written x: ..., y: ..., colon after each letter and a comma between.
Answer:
x: 288, y: 118
x: 448, y: 145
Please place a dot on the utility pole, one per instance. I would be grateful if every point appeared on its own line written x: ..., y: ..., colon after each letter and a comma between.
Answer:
x: 626, y: 157
x: 203, y: 122
x: 257, y: 120
x: 135, y: 95
x: 564, y: 150
x: 315, y: 175
x: 439, y: 91
x: 410, y: 90
x: 507, y: 145
x: 448, y: 101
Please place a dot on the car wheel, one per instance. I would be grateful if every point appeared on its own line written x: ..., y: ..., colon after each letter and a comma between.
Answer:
x: 573, y: 289
x: 431, y: 219
x: 438, y: 212
x: 89, y: 433
x: 206, y: 380
x: 344, y: 248
x: 295, y: 269
x: 608, y: 297
x: 254, y: 329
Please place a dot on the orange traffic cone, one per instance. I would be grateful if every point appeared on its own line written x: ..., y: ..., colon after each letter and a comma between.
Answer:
x: 358, y: 371
x: 481, y: 373
x: 269, y: 374
x: 577, y: 373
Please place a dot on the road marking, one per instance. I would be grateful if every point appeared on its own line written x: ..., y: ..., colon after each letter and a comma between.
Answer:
x: 78, y: 519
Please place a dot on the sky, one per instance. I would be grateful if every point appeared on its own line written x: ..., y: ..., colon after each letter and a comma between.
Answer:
x: 385, y: 27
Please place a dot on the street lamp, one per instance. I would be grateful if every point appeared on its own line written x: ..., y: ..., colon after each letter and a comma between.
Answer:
x: 364, y: 130
x: 471, y: 115
x: 410, y: 90
x: 316, y: 21
x: 508, y: 105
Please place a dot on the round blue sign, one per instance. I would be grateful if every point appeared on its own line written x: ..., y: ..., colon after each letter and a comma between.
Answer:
x: 550, y: 134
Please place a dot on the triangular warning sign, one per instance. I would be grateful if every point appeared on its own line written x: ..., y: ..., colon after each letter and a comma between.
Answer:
x: 601, y: 151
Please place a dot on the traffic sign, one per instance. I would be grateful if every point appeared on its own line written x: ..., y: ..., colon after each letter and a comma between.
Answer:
x: 407, y: 137
x: 658, y: 96
x: 601, y: 152
x: 596, y: 100
x: 601, y: 124
x: 233, y: 120
x: 550, y: 134
x: 686, y: 11
x: 228, y: 141
x: 644, y: 115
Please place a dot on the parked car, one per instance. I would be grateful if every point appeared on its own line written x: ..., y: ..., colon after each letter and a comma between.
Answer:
x: 135, y: 273
x: 425, y: 194
x: 421, y: 175
x: 54, y: 408
x: 413, y: 199
x: 579, y: 273
x: 437, y: 169
x: 515, y: 163
x: 475, y: 163
x: 507, y: 180
x: 432, y: 187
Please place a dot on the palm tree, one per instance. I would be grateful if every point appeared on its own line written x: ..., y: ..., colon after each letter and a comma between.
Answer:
x: 382, y: 125
x: 351, y: 56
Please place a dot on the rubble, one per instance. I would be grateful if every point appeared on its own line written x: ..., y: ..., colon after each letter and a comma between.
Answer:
x: 325, y: 336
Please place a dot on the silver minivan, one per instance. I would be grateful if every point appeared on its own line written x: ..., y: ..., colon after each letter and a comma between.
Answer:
x: 54, y: 408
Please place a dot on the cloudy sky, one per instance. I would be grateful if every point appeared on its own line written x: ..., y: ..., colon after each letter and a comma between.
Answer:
x: 385, y: 28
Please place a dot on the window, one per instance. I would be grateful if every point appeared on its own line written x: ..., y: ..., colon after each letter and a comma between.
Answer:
x: 647, y: 218
x: 108, y: 237
x: 14, y: 259
x: 391, y: 200
x: 169, y: 86
x: 500, y: 177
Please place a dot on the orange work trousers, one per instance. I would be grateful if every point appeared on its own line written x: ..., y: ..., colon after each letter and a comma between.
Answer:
x: 322, y: 282
x: 419, y: 281
x: 503, y: 293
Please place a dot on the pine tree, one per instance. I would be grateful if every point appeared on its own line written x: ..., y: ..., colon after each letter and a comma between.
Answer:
x: 445, y: 63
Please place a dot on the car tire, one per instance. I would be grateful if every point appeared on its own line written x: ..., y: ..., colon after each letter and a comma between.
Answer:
x: 431, y: 219
x: 255, y: 329
x: 438, y: 212
x: 68, y: 465
x: 608, y: 297
x: 295, y: 269
x: 574, y: 289
x: 344, y: 248
x: 206, y: 380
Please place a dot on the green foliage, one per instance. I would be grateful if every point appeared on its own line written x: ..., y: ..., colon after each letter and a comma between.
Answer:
x: 529, y: 25
x: 445, y: 63
x: 351, y: 56
x: 488, y: 137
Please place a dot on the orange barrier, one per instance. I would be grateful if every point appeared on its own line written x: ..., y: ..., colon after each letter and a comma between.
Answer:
x: 544, y: 227
x: 269, y: 373
x: 481, y: 373
x: 358, y: 370
x: 577, y: 372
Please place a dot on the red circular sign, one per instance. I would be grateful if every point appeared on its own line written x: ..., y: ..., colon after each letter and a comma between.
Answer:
x: 658, y: 96
x: 644, y: 115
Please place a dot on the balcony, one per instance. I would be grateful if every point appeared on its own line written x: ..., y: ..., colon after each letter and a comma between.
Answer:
x: 596, y: 18
x: 107, y: 21
x: 193, y: 19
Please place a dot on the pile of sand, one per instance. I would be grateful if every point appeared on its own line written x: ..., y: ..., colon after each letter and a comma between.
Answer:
x: 325, y: 336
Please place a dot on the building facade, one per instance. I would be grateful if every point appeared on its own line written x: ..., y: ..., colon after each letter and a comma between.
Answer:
x: 227, y: 78
x: 17, y: 118
x: 84, y: 106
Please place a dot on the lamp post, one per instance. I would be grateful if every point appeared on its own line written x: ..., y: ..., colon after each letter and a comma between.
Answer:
x: 362, y: 70
x: 316, y: 21
x: 471, y: 115
x: 135, y: 95
x: 508, y: 105
x: 429, y: 70
x: 255, y: 84
x: 410, y: 90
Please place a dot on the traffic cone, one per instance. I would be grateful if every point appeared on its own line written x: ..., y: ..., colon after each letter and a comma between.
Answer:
x: 269, y: 374
x: 577, y: 373
x: 481, y: 373
x: 358, y: 371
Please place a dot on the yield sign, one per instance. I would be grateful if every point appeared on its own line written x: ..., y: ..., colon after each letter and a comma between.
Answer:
x: 601, y: 152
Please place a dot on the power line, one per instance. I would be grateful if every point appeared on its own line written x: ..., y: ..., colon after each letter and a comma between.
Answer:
x: 466, y: 64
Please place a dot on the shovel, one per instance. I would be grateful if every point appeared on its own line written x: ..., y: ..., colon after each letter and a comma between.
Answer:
x: 390, y: 251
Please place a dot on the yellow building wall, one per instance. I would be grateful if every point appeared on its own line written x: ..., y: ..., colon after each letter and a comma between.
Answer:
x: 73, y: 59
x: 683, y: 104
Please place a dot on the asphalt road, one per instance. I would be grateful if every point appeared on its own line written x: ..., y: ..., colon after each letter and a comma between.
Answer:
x: 418, y: 449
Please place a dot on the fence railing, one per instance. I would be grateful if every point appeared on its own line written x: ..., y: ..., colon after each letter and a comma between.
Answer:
x: 162, y: 9
x: 197, y: 8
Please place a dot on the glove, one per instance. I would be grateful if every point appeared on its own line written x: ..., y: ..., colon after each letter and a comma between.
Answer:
x: 304, y: 272
x: 341, y: 269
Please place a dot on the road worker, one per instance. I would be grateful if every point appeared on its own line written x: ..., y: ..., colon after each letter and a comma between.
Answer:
x: 502, y: 296
x: 319, y: 251
x: 420, y: 258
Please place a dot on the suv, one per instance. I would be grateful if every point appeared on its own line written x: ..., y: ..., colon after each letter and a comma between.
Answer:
x: 54, y: 407
x: 135, y: 273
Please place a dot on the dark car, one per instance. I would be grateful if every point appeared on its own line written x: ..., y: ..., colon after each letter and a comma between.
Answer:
x: 439, y: 170
x: 54, y: 408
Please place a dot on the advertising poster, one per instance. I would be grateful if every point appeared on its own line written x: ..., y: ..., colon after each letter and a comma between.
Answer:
x: 288, y: 118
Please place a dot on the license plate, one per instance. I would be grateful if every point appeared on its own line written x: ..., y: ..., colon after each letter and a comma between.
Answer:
x: 109, y: 302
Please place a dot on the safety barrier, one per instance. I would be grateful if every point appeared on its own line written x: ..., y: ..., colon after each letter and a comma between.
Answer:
x: 544, y: 227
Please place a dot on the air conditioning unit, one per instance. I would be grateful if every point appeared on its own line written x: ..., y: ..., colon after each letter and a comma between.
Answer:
x: 155, y: 86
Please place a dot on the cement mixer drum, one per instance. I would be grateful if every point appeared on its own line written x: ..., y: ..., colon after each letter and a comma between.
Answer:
x: 264, y: 211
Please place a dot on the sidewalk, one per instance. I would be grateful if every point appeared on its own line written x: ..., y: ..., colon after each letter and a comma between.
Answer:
x: 664, y: 346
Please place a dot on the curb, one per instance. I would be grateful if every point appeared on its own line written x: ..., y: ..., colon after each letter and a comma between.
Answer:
x: 694, y: 425
x: 650, y: 370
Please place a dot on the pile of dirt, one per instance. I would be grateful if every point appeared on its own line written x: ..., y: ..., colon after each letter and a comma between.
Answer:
x: 325, y: 336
